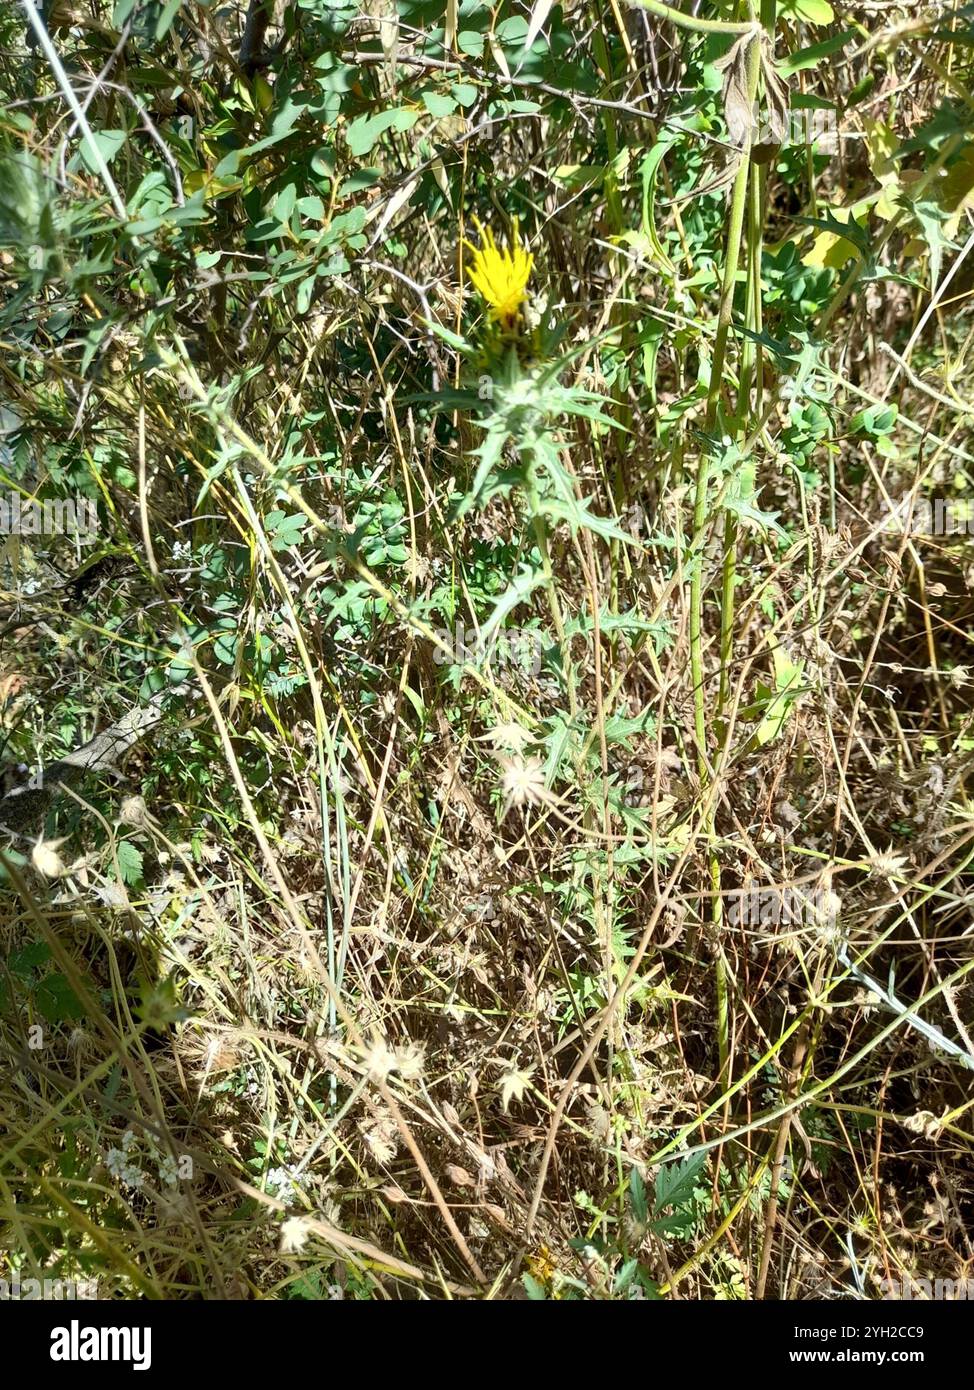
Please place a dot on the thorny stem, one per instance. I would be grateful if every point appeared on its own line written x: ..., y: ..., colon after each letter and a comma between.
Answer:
x: 731, y: 262
x: 540, y: 527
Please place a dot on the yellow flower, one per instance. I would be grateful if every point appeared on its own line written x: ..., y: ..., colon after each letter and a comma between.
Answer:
x: 500, y: 276
x: 542, y: 1264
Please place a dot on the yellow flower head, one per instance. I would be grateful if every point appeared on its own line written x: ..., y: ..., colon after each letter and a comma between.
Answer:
x: 500, y: 276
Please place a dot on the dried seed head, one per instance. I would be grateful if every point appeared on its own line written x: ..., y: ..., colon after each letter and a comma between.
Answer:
x: 46, y: 860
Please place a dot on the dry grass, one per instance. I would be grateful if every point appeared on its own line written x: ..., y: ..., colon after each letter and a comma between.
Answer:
x: 409, y: 980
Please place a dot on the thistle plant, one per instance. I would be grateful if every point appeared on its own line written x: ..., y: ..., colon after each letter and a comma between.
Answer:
x: 500, y: 276
x: 517, y: 400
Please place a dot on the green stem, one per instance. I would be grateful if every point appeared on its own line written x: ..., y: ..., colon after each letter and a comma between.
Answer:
x: 731, y: 262
x: 749, y: 377
x: 539, y: 525
x: 689, y: 21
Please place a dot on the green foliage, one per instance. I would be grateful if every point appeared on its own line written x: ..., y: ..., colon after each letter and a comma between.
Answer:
x: 45, y: 990
x: 335, y: 483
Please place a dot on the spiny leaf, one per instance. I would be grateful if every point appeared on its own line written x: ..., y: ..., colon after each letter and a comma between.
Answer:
x: 675, y: 1182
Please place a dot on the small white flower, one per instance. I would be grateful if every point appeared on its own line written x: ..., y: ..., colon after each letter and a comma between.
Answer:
x: 294, y: 1235
x: 889, y: 864
x: 168, y: 1171
x: 409, y: 1061
x: 380, y: 1060
x: 46, y: 860
x: 511, y: 737
x: 119, y: 1162
x: 380, y: 1137
x: 133, y: 811
x: 924, y: 1122
x: 522, y: 781
x: 281, y: 1180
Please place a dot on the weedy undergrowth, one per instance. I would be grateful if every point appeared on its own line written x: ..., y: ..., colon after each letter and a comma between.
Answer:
x: 521, y: 441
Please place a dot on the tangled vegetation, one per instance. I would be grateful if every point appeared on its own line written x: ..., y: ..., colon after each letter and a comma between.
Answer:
x: 485, y: 603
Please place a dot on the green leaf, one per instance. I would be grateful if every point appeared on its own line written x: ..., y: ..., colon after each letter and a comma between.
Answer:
x: 848, y: 231
x: 539, y: 14
x: 56, y: 1000
x: 284, y: 529
x: 649, y: 169
x: 560, y: 742
x: 745, y: 509
x: 811, y: 11
x: 108, y: 143
x: 165, y: 20
x: 637, y: 1197
x: 875, y: 420
x: 129, y: 862
x: 675, y: 1182
x: 226, y: 644
x: 439, y: 104
x: 811, y: 57
x: 363, y: 132
x: 489, y: 453
x: 931, y: 217
x: 620, y: 729
x: 465, y: 93
x: 628, y: 622
x: 779, y: 702
x: 284, y: 204
x: 25, y: 961
x: 528, y: 579
x: 577, y: 513
x: 303, y: 298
